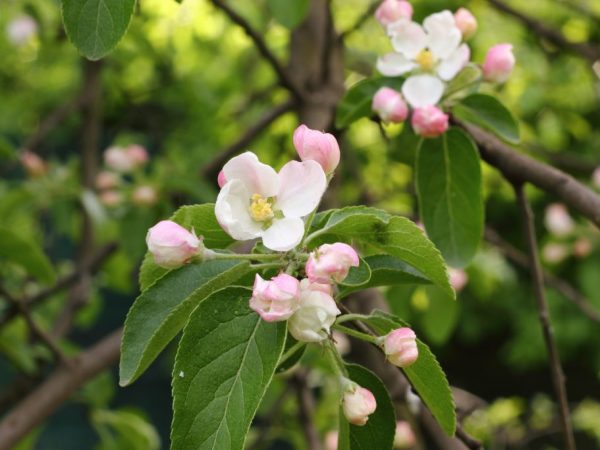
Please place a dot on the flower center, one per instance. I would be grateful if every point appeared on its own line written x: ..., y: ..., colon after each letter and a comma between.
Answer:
x: 425, y: 60
x: 261, y: 208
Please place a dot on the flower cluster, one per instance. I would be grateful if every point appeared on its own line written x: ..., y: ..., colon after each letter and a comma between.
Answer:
x: 120, y: 161
x: 429, y: 56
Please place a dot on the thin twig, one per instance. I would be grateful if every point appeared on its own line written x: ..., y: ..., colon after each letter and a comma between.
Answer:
x: 366, y: 15
x: 467, y: 439
x: 562, y: 286
x: 259, y: 42
x: 211, y: 169
x: 558, y: 377
x: 583, y: 49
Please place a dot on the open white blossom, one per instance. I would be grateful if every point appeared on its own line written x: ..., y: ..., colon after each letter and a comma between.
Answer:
x: 432, y: 53
x: 257, y: 201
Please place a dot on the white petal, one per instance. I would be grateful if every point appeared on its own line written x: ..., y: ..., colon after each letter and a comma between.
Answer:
x: 393, y: 64
x: 423, y: 90
x: 443, y: 36
x: 450, y: 66
x: 301, y: 186
x: 232, y: 211
x: 408, y: 38
x: 284, y: 234
x: 258, y: 178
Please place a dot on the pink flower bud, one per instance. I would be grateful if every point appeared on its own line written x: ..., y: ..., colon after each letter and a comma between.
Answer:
x: 315, y: 315
x: 107, y: 180
x: 320, y: 147
x: 111, y: 198
x: 33, y: 164
x: 172, y: 245
x: 358, y: 404
x: 400, y: 347
x: 390, y: 105
x: 277, y: 299
x: 458, y: 279
x: 558, y: 221
x: 554, y: 253
x: 306, y: 284
x: 331, y: 262
x: 429, y: 121
x: 221, y: 180
x: 582, y: 247
x: 116, y: 158
x: 596, y: 177
x: 499, y: 63
x: 404, y: 437
x: 390, y: 11
x: 465, y: 22
x: 21, y: 29
x: 144, y: 196
x: 331, y: 440
x: 137, y: 154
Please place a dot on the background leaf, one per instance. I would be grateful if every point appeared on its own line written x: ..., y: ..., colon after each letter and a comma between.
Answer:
x: 225, y: 362
x: 289, y: 13
x: 26, y: 254
x: 448, y: 178
x: 489, y: 113
x: 96, y: 26
x: 162, y: 310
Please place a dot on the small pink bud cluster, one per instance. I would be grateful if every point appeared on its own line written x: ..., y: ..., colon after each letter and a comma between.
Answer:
x: 499, y: 63
x: 465, y: 22
x: 458, y: 279
x: 358, y: 403
x: 400, y: 347
x: 21, y: 29
x: 391, y: 11
x: 317, y: 146
x: 127, y: 159
x: 172, y: 245
x: 331, y: 263
x: 404, y: 436
x: 277, y: 299
x: 429, y: 121
x: 558, y: 220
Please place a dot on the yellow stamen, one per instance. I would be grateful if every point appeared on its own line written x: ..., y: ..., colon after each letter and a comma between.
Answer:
x: 260, y: 208
x: 425, y: 60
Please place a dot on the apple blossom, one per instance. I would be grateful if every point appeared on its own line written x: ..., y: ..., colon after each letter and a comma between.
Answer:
x: 258, y: 202
x: 499, y: 63
x: 404, y: 436
x: 172, y: 245
x: 125, y: 159
x: 221, y: 180
x: 144, y: 196
x: 21, y: 29
x: 317, y: 146
x: 390, y: 11
x: 390, y: 105
x: 107, y: 180
x: 466, y: 22
x: 331, y: 262
x: 557, y: 220
x: 358, y: 404
x: 429, y: 121
x: 323, y: 287
x: 400, y: 347
x: 433, y: 54
x: 33, y: 164
x: 277, y: 299
x: 315, y: 315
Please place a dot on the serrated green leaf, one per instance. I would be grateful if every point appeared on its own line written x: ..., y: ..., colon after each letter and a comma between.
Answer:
x: 200, y: 218
x: 289, y: 13
x: 425, y: 375
x: 356, y: 104
x: 96, y: 26
x: 393, y: 235
x: 162, y: 310
x: 26, y: 254
x: 225, y: 362
x: 378, y: 432
x: 448, y: 179
x: 487, y: 112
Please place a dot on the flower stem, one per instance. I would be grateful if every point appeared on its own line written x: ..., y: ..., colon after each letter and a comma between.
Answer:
x: 337, y: 363
x: 287, y: 355
x: 265, y: 266
x: 356, y: 334
x: 250, y: 256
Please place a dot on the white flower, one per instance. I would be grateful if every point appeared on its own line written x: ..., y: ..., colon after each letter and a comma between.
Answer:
x: 433, y: 53
x: 316, y: 313
x: 257, y: 202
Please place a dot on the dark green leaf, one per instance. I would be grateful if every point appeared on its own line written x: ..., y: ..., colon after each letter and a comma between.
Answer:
x: 26, y: 254
x: 225, y: 362
x: 378, y: 432
x: 356, y: 104
x: 448, y: 178
x: 358, y: 276
x: 294, y: 357
x: 289, y: 13
x: 440, y: 318
x: 162, y: 310
x: 96, y: 26
x: 487, y: 112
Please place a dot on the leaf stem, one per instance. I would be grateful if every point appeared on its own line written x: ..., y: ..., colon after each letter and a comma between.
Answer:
x: 338, y: 364
x: 356, y: 334
x: 293, y: 349
x: 250, y: 256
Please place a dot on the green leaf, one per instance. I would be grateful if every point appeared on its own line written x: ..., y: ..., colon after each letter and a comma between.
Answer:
x: 393, y: 235
x: 225, y: 362
x: 294, y: 357
x: 289, y: 13
x: 356, y: 104
x: 387, y: 271
x: 26, y: 254
x: 440, y: 318
x: 464, y: 83
x: 378, y: 432
x: 425, y: 375
x: 358, y: 276
x: 96, y: 26
x: 487, y: 112
x: 124, y: 430
x: 162, y: 310
x: 448, y: 179
x: 200, y: 218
